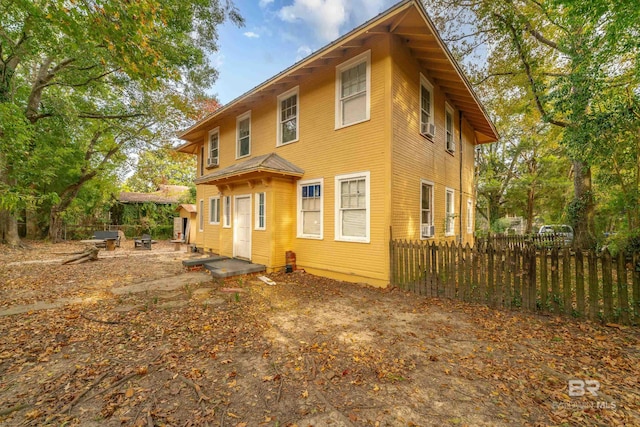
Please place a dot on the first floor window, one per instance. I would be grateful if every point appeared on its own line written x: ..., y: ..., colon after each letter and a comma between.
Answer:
x: 470, y: 226
x: 310, y: 209
x: 201, y: 215
x: 450, y: 213
x: 426, y: 210
x: 352, y: 207
x: 214, y: 210
x: 226, y: 211
x: 261, y: 218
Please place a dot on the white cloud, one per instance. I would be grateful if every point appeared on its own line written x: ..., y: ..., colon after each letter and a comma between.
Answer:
x: 327, y: 18
x: 251, y: 35
x: 217, y: 60
x: 303, y: 52
x: 265, y: 3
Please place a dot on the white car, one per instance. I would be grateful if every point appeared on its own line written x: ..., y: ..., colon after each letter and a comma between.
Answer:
x: 563, y: 232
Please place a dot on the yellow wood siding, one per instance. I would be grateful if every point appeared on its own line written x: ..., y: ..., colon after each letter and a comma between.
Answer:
x: 416, y: 158
x: 388, y: 147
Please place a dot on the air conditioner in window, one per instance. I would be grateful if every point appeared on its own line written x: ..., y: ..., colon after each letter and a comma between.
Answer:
x: 451, y: 146
x: 212, y: 162
x: 429, y: 129
x: 428, y: 230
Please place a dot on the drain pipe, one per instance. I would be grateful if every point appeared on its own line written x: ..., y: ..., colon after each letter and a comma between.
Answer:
x: 460, y: 237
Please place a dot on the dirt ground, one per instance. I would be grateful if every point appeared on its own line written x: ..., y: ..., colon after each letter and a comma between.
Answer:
x: 134, y: 338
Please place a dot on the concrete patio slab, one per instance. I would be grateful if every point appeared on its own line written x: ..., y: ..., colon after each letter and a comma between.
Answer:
x: 232, y: 267
x: 201, y: 261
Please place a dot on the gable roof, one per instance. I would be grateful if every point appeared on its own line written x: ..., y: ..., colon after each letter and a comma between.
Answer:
x: 268, y: 163
x: 407, y: 19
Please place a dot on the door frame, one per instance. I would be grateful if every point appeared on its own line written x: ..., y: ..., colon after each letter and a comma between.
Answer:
x: 235, y: 223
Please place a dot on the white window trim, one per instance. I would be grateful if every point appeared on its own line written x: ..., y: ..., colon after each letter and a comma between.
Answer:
x: 257, y: 211
x: 337, y: 202
x: 433, y: 187
x: 470, y: 222
x: 426, y: 83
x: 294, y: 91
x: 226, y: 216
x: 238, y: 120
x: 451, y: 216
x: 449, y: 109
x: 300, y: 233
x: 211, y: 219
x: 365, y: 56
x: 217, y: 162
x: 201, y: 215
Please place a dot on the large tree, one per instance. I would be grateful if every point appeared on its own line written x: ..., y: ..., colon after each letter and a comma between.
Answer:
x: 83, y: 83
x: 571, y: 58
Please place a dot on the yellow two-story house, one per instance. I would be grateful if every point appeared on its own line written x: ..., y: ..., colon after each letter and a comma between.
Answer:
x: 370, y: 137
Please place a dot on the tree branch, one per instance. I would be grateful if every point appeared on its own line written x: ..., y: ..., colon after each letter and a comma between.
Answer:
x: 488, y: 76
x: 88, y: 115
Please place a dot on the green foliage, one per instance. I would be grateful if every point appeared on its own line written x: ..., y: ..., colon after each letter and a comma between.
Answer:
x: 159, y: 166
x: 86, y: 85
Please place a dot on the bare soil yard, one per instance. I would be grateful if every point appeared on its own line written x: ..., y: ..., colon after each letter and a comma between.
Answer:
x: 135, y: 339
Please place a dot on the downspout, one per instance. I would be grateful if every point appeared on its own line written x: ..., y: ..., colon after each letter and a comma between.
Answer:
x: 460, y: 237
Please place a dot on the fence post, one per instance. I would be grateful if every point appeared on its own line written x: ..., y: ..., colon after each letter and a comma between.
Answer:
x: 566, y: 281
x: 623, y: 290
x: 580, y: 282
x: 555, y: 284
x: 607, y: 286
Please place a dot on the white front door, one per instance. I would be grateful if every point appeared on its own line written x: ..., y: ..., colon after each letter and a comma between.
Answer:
x: 242, y: 227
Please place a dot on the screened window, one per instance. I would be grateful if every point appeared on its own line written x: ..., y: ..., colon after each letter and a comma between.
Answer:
x: 261, y: 218
x: 226, y: 211
x: 201, y: 215
x: 214, y: 148
x: 353, y: 91
x: 451, y: 144
x: 426, y: 107
x: 426, y: 210
x: 288, y: 117
x: 244, y: 135
x: 310, y: 209
x: 352, y: 207
x: 450, y: 214
x: 214, y: 210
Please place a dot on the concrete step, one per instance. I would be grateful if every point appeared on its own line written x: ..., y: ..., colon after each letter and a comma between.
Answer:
x: 232, y: 267
x: 201, y: 261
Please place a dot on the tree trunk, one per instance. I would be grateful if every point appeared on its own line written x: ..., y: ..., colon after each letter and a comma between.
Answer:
x: 582, y: 209
x: 531, y: 194
x: 9, y: 229
x: 55, y: 225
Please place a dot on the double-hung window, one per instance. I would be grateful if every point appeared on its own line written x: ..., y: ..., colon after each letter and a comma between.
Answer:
x: 243, y: 132
x: 226, y: 211
x: 261, y: 215
x: 470, y: 226
x: 353, y: 90
x: 214, y: 148
x: 201, y: 215
x: 288, y: 117
x: 310, y: 197
x: 448, y: 127
x: 214, y: 210
x: 450, y: 213
x: 426, y: 210
x: 427, y: 127
x: 353, y: 207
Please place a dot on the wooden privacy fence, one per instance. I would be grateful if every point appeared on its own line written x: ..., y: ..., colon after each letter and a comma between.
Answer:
x: 556, y: 280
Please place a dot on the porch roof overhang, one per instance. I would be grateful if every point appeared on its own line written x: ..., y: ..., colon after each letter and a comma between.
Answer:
x: 267, y: 165
x: 409, y: 21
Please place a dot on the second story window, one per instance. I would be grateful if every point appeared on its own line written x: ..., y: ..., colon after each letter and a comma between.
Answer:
x: 288, y: 117
x: 448, y: 127
x: 243, y: 125
x: 214, y: 148
x: 353, y: 90
x: 427, y: 127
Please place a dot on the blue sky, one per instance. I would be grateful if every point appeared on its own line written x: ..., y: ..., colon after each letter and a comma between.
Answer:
x: 278, y: 33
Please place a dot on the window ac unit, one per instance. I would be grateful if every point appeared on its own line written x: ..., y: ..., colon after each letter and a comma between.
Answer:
x: 429, y: 129
x: 428, y: 230
x: 451, y: 146
x: 212, y: 162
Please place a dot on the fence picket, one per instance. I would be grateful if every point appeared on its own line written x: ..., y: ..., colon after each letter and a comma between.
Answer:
x: 566, y: 281
x: 623, y: 291
x: 607, y: 286
x: 580, y: 283
x: 594, y: 310
x: 555, y: 282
